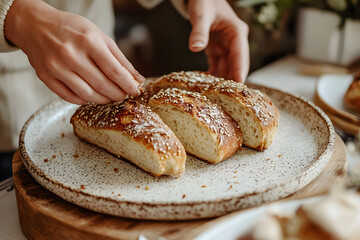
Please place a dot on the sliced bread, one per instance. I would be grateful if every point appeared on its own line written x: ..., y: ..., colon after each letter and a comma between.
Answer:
x: 205, y: 130
x: 254, y: 111
x: 193, y: 81
x: 130, y: 130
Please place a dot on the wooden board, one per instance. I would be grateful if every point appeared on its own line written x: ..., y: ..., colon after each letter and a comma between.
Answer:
x: 44, y: 215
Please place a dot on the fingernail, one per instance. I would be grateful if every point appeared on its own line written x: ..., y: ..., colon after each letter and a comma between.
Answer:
x: 197, y: 44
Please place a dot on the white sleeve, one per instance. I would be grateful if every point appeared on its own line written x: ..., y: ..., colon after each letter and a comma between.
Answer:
x: 4, y: 8
x: 179, y: 5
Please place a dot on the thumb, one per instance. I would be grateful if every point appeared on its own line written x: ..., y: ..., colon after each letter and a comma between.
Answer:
x: 201, y: 24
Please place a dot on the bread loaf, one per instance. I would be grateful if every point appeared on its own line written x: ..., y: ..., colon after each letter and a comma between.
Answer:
x: 193, y: 81
x: 204, y: 129
x: 130, y: 130
x: 352, y: 95
x: 254, y: 112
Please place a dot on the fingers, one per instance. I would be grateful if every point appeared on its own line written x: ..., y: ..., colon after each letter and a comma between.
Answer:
x: 88, y: 71
x: 74, y: 82
x: 63, y: 91
x: 201, y: 18
x: 123, y: 60
x: 213, y: 63
x: 240, y: 56
x: 111, y: 67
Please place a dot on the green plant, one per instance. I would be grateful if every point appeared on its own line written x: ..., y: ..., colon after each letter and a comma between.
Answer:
x: 268, y: 12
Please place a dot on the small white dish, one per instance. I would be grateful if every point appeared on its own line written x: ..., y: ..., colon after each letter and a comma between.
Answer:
x: 330, y: 91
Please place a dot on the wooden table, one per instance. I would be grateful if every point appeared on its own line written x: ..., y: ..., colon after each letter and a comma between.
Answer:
x: 43, y: 215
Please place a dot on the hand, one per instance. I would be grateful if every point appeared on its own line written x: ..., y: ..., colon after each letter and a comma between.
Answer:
x: 217, y: 28
x: 70, y: 54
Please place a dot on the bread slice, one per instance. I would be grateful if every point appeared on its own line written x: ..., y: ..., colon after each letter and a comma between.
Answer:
x: 131, y: 130
x: 255, y: 113
x: 204, y: 129
x: 193, y: 81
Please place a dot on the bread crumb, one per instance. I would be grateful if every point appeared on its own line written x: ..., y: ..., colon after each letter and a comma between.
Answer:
x: 83, y: 187
x: 76, y: 156
x: 230, y: 187
x: 137, y: 186
x: 203, y: 186
x: 116, y: 170
x: 62, y: 134
x: 235, y: 171
x: 147, y: 188
x: 184, y: 196
x: 107, y: 163
x: 267, y: 159
x: 53, y: 156
x: 279, y: 155
x: 46, y: 160
x: 119, y: 195
x: 112, y: 192
x: 236, y: 182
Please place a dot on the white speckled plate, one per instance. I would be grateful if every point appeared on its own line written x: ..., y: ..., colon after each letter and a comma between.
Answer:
x: 90, y: 177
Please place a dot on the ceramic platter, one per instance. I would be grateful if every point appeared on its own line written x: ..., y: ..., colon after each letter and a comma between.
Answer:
x: 330, y: 91
x: 89, y: 177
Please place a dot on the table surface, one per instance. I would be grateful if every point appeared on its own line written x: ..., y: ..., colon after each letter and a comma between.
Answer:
x: 282, y: 74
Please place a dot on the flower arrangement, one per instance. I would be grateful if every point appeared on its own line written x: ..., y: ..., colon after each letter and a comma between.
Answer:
x: 268, y: 12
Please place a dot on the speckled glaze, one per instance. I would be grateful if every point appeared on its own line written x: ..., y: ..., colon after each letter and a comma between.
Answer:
x: 90, y: 177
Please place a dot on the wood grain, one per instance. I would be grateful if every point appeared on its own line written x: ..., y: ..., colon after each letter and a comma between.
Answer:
x: 43, y: 215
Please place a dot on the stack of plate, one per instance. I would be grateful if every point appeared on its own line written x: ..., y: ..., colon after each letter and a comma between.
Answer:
x: 330, y: 91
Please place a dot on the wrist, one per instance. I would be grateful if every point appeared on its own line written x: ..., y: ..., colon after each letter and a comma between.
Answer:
x: 21, y: 17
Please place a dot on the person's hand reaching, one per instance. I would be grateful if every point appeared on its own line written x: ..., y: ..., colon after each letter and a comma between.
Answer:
x: 70, y: 54
x: 217, y: 29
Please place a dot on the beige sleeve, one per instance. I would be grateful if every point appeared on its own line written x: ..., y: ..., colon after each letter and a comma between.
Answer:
x: 4, y: 8
x: 179, y: 5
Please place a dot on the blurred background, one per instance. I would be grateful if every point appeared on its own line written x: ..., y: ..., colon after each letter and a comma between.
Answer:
x: 156, y: 41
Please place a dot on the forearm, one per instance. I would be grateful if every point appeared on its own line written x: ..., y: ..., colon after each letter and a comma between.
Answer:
x: 4, y: 9
x: 22, y: 16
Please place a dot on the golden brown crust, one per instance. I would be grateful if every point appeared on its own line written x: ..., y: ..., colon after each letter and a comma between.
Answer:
x: 208, y: 114
x: 352, y: 95
x: 193, y: 81
x: 259, y: 103
x: 134, y: 120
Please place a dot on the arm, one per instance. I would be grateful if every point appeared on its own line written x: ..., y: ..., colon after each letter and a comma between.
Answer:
x: 217, y: 29
x: 70, y: 54
x: 4, y: 8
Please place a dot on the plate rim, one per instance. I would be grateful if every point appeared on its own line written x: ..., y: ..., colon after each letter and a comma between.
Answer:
x: 347, y: 116
x: 322, y: 159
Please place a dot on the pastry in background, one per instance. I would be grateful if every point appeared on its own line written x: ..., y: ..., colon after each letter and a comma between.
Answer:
x: 334, y: 217
x: 352, y: 95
